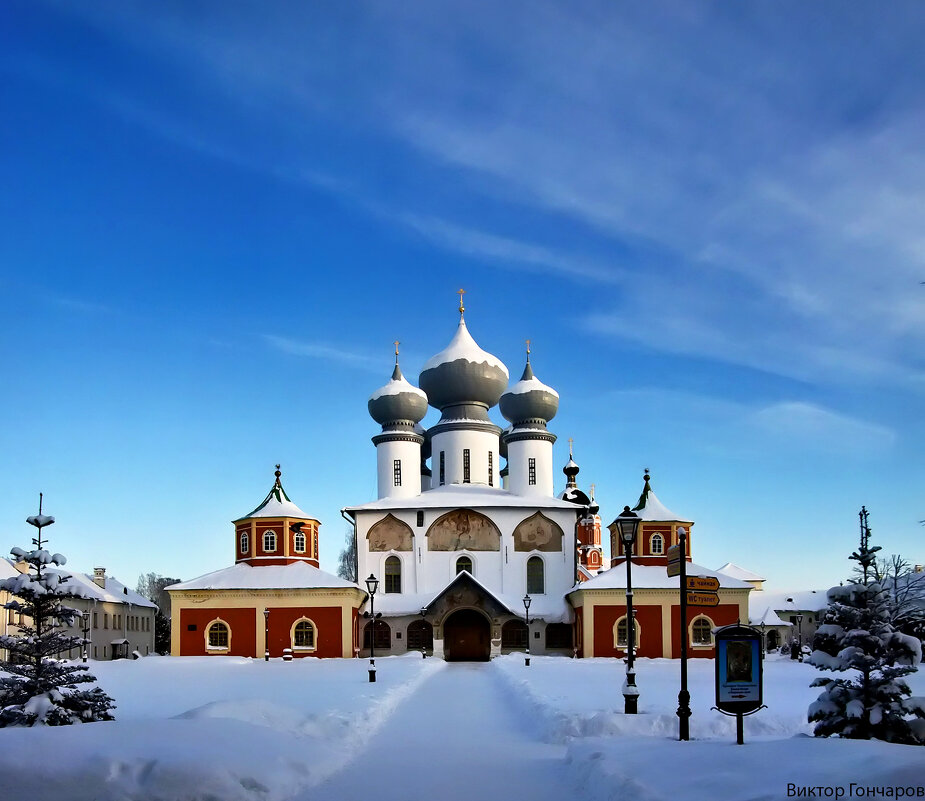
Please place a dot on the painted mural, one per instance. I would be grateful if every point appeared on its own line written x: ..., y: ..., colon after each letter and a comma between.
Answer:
x: 463, y: 530
x: 389, y: 534
x: 537, y: 533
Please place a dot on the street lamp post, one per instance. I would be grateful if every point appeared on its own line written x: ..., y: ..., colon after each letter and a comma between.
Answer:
x: 86, y: 619
x: 800, y: 635
x: 423, y: 629
x: 627, y: 525
x: 266, y: 634
x: 372, y: 584
x: 527, y: 601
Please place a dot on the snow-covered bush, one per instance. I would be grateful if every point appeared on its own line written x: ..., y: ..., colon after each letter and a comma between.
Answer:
x: 873, y: 701
x: 41, y: 688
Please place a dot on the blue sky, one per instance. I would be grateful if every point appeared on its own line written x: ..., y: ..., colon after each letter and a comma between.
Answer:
x: 707, y: 218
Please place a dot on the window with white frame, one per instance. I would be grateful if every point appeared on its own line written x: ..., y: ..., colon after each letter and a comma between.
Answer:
x: 702, y: 631
x: 269, y: 541
x: 620, y: 633
x: 536, y: 576
x: 303, y: 635
x: 393, y: 574
x: 299, y: 542
x: 531, y: 471
x: 218, y: 635
x: 245, y: 543
x: 656, y: 544
x: 464, y: 563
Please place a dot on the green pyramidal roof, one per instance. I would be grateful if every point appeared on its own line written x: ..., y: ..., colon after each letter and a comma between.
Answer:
x: 276, y: 504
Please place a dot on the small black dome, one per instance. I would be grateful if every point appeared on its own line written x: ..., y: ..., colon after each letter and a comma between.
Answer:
x: 398, y: 401
x: 529, y: 399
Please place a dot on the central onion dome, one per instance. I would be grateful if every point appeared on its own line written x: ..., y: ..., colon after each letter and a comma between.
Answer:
x: 529, y: 401
x: 463, y: 375
x: 398, y: 401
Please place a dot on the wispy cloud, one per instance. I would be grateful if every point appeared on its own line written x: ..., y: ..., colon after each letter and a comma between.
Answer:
x: 325, y: 352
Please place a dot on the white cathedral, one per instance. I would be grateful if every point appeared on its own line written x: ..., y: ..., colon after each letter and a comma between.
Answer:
x: 459, y: 546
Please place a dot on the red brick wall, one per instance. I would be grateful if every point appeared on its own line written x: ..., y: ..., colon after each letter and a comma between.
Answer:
x: 649, y: 617
x: 722, y: 615
x: 240, y: 621
x: 328, y: 628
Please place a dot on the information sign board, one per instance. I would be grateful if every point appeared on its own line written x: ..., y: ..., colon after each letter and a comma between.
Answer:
x: 738, y: 664
x: 703, y: 583
x: 702, y: 598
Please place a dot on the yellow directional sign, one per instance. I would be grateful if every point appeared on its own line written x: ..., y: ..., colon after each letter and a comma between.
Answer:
x: 703, y: 583
x: 702, y: 598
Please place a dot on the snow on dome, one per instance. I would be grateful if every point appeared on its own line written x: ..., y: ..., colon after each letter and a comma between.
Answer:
x: 463, y: 373
x: 276, y: 504
x: 398, y: 400
x: 529, y: 399
x: 651, y: 508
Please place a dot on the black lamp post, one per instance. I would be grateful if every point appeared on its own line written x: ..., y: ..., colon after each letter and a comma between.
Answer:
x: 800, y: 635
x: 372, y: 584
x: 527, y: 601
x: 266, y: 634
x: 86, y: 619
x: 423, y: 630
x: 627, y: 525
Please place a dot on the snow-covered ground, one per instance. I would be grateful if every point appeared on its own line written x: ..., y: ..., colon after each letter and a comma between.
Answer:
x: 232, y: 728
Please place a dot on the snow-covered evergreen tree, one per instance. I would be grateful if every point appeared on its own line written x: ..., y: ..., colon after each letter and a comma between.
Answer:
x: 41, y: 688
x: 873, y: 701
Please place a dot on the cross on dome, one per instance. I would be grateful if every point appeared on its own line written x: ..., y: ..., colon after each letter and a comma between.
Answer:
x: 462, y: 308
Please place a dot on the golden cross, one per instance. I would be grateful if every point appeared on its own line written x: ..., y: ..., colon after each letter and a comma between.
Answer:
x: 592, y: 492
x: 396, y: 343
x: 570, y: 441
x: 462, y: 308
x: 528, y: 350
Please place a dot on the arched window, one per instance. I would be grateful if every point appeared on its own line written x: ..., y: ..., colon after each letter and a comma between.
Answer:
x: 619, y: 633
x: 299, y: 542
x: 656, y: 544
x: 303, y: 635
x: 702, y: 631
x: 393, y: 574
x: 514, y: 634
x: 218, y: 636
x: 383, y: 635
x: 269, y: 541
x: 464, y: 563
x: 420, y: 635
x: 536, y: 580
x: 245, y: 542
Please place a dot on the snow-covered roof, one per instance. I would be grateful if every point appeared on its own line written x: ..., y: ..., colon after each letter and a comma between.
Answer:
x: 83, y: 586
x: 551, y: 608
x: 452, y: 496
x: 532, y: 384
x: 767, y: 618
x: 739, y: 572
x: 801, y: 600
x: 7, y: 570
x: 463, y: 346
x: 656, y: 577
x: 242, y: 576
x: 276, y: 504
x: 651, y: 508
x: 396, y: 386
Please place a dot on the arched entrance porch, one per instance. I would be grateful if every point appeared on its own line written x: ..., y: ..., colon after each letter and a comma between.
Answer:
x: 467, y: 636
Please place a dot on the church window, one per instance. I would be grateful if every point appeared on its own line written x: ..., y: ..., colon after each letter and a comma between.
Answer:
x: 303, y: 635
x: 656, y: 543
x: 420, y: 635
x: 464, y: 563
x: 620, y: 638
x: 396, y: 472
x: 536, y: 579
x: 702, y: 632
x: 420, y: 518
x: 269, y: 541
x: 393, y: 574
x: 465, y: 465
x: 531, y: 471
x: 442, y: 467
x: 514, y: 634
x: 245, y: 542
x: 299, y: 542
x: 218, y: 635
x: 491, y: 469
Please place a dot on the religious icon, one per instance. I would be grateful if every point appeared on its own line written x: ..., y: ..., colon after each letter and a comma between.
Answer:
x: 738, y: 661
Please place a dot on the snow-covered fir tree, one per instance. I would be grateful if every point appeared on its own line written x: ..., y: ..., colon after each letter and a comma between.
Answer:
x: 41, y: 688
x: 857, y: 638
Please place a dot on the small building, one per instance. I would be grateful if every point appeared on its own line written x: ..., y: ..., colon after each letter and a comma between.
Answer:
x: 117, y: 620
x: 803, y: 610
x: 600, y: 602
x: 273, y: 599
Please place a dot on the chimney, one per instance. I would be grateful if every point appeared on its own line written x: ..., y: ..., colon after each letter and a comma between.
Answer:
x: 99, y: 577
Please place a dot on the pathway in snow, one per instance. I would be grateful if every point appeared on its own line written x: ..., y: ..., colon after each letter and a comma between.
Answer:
x: 460, y: 737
